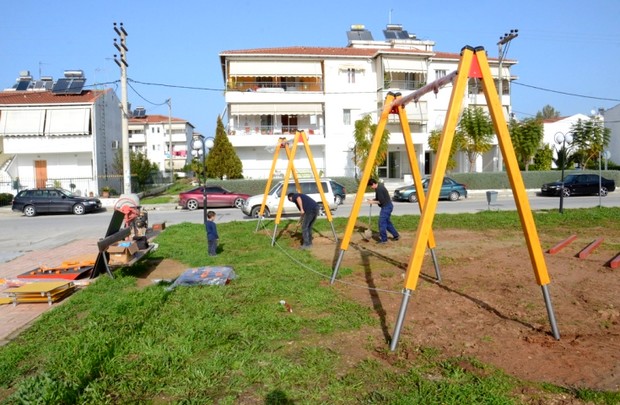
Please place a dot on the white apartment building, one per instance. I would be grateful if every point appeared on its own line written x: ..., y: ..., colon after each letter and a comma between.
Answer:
x: 161, y: 138
x: 272, y: 92
x: 57, y: 134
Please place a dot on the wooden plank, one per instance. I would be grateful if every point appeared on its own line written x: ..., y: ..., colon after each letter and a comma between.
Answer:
x: 562, y: 244
x: 590, y: 248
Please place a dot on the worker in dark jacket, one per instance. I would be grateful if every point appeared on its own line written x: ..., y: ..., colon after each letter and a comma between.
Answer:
x: 382, y: 198
x: 309, y: 211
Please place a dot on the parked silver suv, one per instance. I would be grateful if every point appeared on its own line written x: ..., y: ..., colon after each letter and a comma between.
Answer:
x: 251, y: 207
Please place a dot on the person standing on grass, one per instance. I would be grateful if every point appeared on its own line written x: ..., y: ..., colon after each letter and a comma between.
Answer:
x: 382, y: 198
x: 212, y: 235
x: 309, y: 211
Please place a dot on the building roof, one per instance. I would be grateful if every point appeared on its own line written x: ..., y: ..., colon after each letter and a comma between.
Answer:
x: 298, y: 51
x: 156, y: 119
x: 47, y: 97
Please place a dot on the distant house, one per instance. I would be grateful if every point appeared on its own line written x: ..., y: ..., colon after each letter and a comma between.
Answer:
x: 557, y: 127
x: 58, y: 134
x: 156, y: 136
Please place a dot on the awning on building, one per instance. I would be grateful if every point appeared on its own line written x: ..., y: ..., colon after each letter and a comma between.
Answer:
x: 404, y: 65
x: 74, y: 121
x: 22, y: 122
x: 275, y: 68
x: 276, y: 109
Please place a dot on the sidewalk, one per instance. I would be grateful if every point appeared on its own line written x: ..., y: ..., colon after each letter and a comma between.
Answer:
x: 13, y: 319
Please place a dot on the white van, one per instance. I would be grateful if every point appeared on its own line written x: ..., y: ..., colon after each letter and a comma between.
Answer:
x: 251, y: 207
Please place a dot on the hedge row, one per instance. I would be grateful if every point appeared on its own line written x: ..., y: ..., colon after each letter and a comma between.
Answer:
x: 474, y: 181
x: 6, y: 199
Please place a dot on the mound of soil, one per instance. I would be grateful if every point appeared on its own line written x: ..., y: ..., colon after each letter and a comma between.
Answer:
x: 489, y: 305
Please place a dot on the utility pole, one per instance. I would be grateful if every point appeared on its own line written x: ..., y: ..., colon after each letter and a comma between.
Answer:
x: 169, y: 101
x: 122, y: 63
x: 504, y: 40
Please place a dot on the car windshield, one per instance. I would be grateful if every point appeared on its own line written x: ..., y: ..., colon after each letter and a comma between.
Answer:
x: 66, y: 192
x: 569, y: 179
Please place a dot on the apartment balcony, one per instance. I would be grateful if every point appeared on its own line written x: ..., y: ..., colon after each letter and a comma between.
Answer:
x: 261, y: 136
x: 275, y: 84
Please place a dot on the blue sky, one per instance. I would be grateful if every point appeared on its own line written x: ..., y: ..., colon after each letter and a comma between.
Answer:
x: 568, y: 50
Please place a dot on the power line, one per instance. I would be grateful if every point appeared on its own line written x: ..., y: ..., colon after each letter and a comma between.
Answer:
x: 564, y: 92
x: 143, y: 98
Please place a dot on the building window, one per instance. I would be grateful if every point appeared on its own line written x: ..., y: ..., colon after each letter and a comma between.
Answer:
x: 440, y: 73
x: 351, y: 75
x: 346, y: 117
x: 152, y: 130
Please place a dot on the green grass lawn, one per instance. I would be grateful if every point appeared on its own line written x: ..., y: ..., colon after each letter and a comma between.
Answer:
x: 115, y: 343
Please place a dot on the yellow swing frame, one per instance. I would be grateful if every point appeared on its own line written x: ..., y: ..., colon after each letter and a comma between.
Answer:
x: 283, y: 143
x: 473, y: 64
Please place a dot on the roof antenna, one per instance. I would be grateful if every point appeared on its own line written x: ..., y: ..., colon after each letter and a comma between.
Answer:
x: 390, y: 16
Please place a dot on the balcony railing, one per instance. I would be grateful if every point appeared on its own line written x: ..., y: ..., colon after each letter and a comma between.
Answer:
x: 404, y: 84
x: 273, y: 130
x: 275, y: 86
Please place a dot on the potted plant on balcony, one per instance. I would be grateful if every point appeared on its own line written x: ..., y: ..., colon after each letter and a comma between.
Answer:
x: 105, y: 191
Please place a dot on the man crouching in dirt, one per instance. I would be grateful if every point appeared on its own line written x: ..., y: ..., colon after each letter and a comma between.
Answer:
x: 309, y: 211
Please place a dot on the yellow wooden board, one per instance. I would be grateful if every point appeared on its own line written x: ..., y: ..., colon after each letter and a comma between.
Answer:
x: 42, y: 287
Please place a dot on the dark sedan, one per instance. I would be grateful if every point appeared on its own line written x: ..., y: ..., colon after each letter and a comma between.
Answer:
x: 216, y: 197
x: 450, y: 190
x: 53, y: 200
x: 579, y: 184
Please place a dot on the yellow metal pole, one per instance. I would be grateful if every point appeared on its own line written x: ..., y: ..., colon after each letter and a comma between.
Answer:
x: 372, y: 155
x: 430, y: 205
x: 413, y: 163
x: 514, y: 174
x: 315, y: 173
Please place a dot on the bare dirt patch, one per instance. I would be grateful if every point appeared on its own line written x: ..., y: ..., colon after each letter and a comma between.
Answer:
x: 166, y: 270
x: 489, y: 305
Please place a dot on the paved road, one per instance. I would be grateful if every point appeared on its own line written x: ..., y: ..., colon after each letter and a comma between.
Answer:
x: 19, y: 235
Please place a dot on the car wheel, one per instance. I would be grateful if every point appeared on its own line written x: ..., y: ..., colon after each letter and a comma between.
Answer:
x: 192, y: 204
x: 565, y: 192
x: 256, y: 210
x: 30, y: 211
x: 239, y: 202
x: 603, y: 192
x: 413, y: 197
x: 322, y: 211
x: 78, y: 209
x: 453, y: 196
x: 338, y: 200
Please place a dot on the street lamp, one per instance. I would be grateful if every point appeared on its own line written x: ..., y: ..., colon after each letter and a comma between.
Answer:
x: 504, y: 40
x: 563, y: 139
x: 199, y: 146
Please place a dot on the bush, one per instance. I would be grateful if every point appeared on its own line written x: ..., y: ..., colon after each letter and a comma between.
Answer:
x: 6, y: 199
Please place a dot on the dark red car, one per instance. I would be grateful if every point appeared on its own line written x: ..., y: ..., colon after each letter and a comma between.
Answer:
x: 216, y: 197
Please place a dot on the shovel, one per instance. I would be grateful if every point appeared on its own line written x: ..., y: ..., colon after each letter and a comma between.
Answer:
x: 367, y: 234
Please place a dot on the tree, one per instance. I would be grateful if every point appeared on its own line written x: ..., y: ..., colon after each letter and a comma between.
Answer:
x: 476, y: 130
x: 222, y: 159
x: 543, y: 158
x: 526, y: 138
x: 457, y: 144
x: 590, y: 138
x: 547, y: 112
x: 363, y: 135
x: 141, y: 169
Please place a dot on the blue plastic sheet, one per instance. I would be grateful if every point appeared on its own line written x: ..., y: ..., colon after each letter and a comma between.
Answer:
x: 208, y: 275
